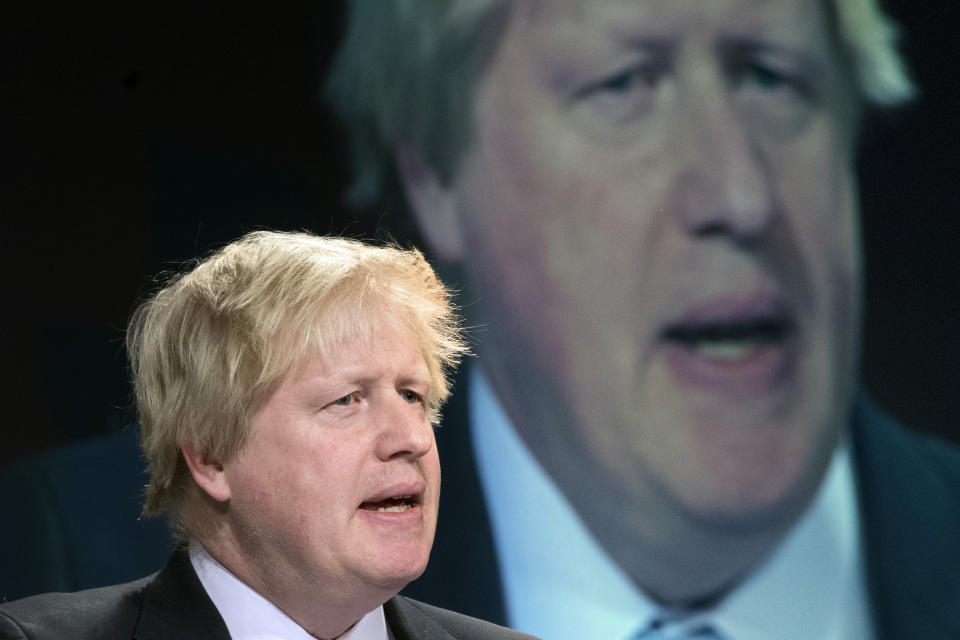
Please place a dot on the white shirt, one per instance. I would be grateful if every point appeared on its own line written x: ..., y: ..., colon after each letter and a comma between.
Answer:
x: 559, y: 583
x: 250, y: 616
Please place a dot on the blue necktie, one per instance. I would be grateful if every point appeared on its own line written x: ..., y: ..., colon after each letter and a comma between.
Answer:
x: 659, y: 631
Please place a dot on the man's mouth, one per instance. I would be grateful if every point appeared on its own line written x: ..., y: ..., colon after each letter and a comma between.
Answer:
x: 394, y: 504
x: 740, y: 345
x: 729, y: 340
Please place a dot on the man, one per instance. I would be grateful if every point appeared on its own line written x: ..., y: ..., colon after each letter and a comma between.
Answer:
x: 286, y: 388
x: 654, y: 204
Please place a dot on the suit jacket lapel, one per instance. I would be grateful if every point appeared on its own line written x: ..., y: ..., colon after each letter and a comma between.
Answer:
x: 409, y: 623
x: 175, y: 605
x: 909, y: 490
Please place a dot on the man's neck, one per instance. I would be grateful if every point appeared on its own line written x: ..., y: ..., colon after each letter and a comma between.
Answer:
x: 559, y: 582
x: 679, y: 560
x: 324, y: 615
x: 683, y: 562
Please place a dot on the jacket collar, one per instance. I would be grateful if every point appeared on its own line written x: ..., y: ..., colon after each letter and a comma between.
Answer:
x: 409, y: 622
x: 175, y: 605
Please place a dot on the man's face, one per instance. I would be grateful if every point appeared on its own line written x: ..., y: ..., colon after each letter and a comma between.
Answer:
x: 658, y: 222
x: 337, y: 487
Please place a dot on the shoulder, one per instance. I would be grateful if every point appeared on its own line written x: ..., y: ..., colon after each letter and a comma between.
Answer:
x: 413, y: 619
x: 904, y: 476
x: 106, y: 612
x: 885, y: 447
x: 909, y: 493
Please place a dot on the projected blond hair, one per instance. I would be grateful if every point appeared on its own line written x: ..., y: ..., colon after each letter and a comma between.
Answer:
x: 406, y: 71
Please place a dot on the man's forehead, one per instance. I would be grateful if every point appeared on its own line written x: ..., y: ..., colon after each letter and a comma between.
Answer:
x: 367, y: 350
x: 627, y: 20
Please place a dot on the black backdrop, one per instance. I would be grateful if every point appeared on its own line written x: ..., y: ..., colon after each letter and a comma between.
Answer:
x: 136, y: 136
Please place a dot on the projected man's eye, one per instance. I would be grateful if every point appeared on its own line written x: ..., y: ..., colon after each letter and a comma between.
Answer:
x: 765, y: 77
x: 769, y: 78
x: 625, y: 94
x: 776, y: 94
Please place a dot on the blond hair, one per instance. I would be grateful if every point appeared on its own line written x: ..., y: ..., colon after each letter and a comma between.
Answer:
x: 406, y: 71
x: 207, y: 349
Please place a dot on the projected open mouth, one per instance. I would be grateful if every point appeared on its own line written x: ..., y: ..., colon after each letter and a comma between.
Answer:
x: 733, y: 344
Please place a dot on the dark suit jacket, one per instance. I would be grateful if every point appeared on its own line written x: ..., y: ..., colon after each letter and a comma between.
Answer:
x: 173, y: 604
x: 909, y: 493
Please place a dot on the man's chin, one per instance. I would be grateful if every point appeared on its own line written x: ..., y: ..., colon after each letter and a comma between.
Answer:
x: 394, y: 576
x: 756, y: 470
x: 752, y: 509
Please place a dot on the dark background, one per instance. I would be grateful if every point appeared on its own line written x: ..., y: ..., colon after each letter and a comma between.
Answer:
x: 136, y: 136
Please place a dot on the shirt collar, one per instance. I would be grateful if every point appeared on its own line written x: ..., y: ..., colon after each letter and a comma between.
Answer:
x: 814, y: 584
x: 560, y: 583
x: 250, y: 616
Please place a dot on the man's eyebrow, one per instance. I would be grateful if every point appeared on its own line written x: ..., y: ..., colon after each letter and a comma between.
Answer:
x: 807, y: 59
x: 414, y: 381
x: 662, y: 47
x: 362, y: 381
x: 633, y: 35
x: 572, y: 65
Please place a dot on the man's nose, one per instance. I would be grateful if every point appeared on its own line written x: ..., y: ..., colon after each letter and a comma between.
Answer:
x: 404, y: 430
x: 723, y: 186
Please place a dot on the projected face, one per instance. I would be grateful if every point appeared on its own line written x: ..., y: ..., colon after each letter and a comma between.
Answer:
x: 659, y: 223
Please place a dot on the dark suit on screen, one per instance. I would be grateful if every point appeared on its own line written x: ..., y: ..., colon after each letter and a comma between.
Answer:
x: 908, y: 490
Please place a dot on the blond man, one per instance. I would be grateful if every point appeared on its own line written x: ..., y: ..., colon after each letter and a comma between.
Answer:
x: 287, y: 388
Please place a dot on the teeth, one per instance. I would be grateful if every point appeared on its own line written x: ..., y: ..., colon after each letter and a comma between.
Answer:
x: 727, y: 349
x: 394, y: 509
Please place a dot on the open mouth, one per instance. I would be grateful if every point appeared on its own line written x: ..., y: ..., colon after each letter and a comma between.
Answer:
x: 394, y: 504
x: 730, y: 340
x: 741, y: 345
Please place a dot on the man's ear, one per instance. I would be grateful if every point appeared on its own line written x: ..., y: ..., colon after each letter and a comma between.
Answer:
x: 434, y: 204
x: 207, y: 472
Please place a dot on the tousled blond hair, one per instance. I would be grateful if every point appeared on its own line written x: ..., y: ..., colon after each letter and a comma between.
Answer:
x: 207, y: 349
x: 406, y: 71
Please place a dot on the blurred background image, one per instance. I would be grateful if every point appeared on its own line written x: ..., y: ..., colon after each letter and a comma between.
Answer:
x: 135, y: 138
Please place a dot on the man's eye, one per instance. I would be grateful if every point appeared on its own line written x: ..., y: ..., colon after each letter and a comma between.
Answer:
x: 767, y: 78
x: 624, y: 95
x: 411, y: 396
x: 345, y: 401
x: 777, y: 97
x: 633, y: 79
